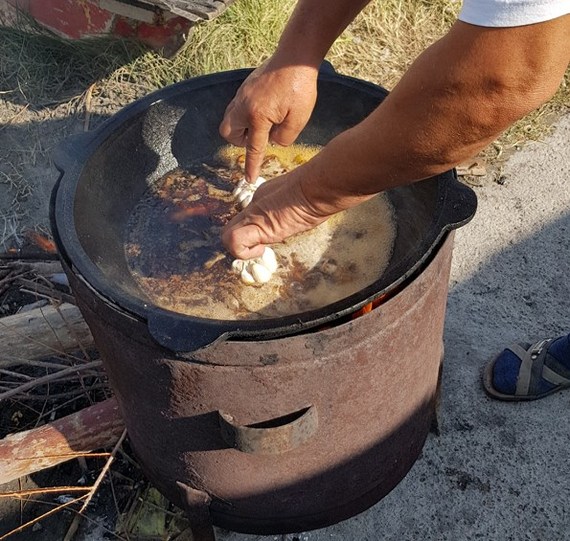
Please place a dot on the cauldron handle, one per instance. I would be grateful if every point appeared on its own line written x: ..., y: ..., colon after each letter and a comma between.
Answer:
x: 184, y: 334
x: 458, y: 207
x: 271, y: 437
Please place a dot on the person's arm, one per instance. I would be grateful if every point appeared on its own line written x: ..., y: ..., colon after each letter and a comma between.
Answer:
x: 277, y: 99
x: 456, y: 98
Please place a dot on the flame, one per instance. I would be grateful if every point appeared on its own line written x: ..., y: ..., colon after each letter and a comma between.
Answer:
x: 42, y: 242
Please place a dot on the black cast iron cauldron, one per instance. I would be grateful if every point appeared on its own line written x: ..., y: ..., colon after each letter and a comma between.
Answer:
x: 258, y: 426
x: 104, y: 174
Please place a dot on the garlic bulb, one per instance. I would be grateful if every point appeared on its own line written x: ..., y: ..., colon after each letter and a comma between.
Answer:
x: 243, y: 192
x: 256, y: 271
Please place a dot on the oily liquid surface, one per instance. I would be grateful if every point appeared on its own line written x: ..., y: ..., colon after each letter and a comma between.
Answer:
x: 175, y: 254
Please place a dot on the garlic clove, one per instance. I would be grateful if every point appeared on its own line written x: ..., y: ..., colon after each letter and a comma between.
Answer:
x: 259, y: 182
x: 238, y: 265
x: 269, y: 260
x: 247, y: 278
x: 240, y: 197
x: 239, y: 188
x: 244, y: 187
x: 260, y: 273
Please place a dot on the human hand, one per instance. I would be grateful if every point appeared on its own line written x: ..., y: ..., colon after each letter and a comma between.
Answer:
x: 278, y: 210
x: 272, y: 105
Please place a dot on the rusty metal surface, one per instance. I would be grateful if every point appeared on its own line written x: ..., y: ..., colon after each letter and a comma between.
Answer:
x: 196, y: 505
x: 372, y: 381
x: 272, y: 436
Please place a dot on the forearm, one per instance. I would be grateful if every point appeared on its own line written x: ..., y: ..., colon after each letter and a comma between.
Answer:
x: 455, y: 99
x: 313, y: 28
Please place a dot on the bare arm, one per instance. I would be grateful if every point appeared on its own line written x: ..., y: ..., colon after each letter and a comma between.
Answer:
x: 456, y: 98
x: 276, y: 101
x: 313, y: 28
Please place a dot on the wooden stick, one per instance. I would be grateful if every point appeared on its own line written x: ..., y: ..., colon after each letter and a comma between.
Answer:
x: 50, y: 377
x: 92, y: 428
x: 42, y: 332
x: 77, y: 519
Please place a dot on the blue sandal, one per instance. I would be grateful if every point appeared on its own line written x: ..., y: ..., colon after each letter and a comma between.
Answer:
x: 540, y: 374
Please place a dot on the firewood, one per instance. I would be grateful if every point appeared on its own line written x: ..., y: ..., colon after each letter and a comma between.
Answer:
x: 50, y: 330
x: 95, y: 427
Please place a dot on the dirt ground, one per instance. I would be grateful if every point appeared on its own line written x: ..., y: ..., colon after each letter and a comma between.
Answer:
x: 28, y: 137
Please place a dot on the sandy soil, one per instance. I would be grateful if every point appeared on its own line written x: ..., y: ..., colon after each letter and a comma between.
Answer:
x: 27, y: 175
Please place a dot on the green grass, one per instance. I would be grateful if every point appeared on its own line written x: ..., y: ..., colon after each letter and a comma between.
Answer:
x: 243, y: 36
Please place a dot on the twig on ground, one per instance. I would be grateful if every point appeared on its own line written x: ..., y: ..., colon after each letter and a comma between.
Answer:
x: 49, y: 377
x: 12, y: 276
x: 77, y: 520
x: 41, y: 517
x: 49, y: 490
x: 73, y: 333
x: 71, y: 456
x: 112, y: 484
x: 14, y: 375
x: 40, y: 290
x: 76, y: 393
x: 40, y: 364
x: 52, y: 411
x: 28, y: 256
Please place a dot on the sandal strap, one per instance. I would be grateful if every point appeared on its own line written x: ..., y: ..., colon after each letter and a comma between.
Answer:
x: 533, y: 367
x: 552, y: 377
x: 525, y: 369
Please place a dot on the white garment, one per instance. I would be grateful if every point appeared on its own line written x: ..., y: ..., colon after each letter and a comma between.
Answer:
x: 512, y: 12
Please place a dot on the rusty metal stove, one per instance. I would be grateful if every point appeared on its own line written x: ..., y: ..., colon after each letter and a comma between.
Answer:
x: 288, y: 434
x: 267, y: 426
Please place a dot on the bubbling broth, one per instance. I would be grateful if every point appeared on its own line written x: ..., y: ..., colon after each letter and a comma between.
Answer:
x: 175, y: 254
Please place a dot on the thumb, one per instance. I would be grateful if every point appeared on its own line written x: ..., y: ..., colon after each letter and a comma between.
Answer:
x: 243, y: 242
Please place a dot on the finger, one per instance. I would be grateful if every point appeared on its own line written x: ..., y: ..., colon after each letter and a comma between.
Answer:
x: 286, y: 133
x: 233, y: 128
x: 257, y: 140
x: 225, y: 127
x: 243, y: 242
x: 233, y: 134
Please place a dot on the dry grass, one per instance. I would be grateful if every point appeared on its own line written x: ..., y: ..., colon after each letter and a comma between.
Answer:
x: 379, y: 46
x: 41, y: 69
x: 388, y: 35
x: 243, y: 36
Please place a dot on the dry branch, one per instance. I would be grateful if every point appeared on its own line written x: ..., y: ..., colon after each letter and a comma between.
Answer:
x: 92, y: 428
x: 50, y: 377
x: 42, y: 332
x: 30, y: 336
x: 77, y: 519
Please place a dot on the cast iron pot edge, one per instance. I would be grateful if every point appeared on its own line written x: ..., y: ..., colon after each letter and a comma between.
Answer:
x: 182, y: 333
